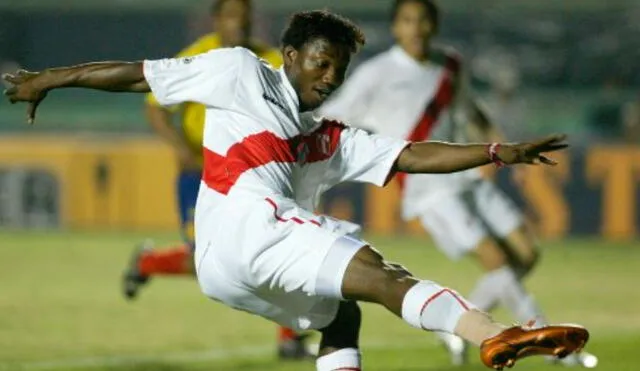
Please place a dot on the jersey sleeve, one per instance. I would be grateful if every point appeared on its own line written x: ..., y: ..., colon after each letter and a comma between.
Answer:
x: 365, y: 157
x: 198, y: 47
x: 351, y: 101
x: 208, y: 78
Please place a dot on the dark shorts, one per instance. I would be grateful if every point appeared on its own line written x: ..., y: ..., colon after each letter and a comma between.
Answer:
x: 188, y: 184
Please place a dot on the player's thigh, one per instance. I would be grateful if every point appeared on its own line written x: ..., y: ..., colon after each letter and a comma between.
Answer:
x: 303, y: 272
x: 187, y: 187
x: 506, y: 222
x: 454, y: 224
x: 222, y: 280
x: 287, y: 257
x: 490, y: 255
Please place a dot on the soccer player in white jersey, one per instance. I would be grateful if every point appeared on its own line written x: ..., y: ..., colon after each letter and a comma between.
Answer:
x: 425, y: 95
x: 260, y: 251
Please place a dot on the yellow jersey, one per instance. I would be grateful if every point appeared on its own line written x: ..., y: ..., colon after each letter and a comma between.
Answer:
x: 192, y: 114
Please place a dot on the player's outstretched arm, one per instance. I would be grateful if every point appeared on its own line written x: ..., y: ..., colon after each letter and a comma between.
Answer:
x: 438, y: 157
x: 32, y: 87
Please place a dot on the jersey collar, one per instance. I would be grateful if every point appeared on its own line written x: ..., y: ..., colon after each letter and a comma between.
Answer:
x: 405, y: 58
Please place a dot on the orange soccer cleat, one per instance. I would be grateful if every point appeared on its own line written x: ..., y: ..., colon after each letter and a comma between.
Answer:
x: 504, y: 349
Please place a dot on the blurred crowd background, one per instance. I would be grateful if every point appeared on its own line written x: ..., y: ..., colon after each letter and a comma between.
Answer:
x: 539, y: 66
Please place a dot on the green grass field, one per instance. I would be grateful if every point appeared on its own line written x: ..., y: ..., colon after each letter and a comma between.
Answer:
x: 61, y: 309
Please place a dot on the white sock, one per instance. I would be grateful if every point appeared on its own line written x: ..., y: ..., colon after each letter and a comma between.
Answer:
x: 447, y: 339
x: 484, y: 294
x: 503, y: 285
x: 430, y: 306
x: 343, y: 359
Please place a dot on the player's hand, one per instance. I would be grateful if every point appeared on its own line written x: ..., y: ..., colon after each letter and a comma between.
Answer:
x: 532, y: 153
x: 25, y: 86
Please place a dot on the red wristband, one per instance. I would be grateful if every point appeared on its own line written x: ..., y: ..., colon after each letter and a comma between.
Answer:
x: 492, y: 151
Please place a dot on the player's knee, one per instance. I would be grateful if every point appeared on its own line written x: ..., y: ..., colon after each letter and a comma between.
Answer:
x: 370, y: 278
x: 490, y: 255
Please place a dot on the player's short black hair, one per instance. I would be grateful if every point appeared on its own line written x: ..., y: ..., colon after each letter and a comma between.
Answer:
x: 432, y: 9
x: 306, y: 26
x: 217, y: 5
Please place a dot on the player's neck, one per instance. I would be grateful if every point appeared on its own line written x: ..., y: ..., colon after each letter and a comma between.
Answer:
x: 422, y: 57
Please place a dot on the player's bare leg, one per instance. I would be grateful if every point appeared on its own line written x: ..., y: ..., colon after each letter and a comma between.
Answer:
x: 485, y: 295
x: 429, y: 306
x: 339, y: 348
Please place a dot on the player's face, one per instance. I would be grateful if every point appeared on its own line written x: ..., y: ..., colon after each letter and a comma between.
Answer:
x: 413, y: 29
x: 316, y: 70
x: 233, y: 22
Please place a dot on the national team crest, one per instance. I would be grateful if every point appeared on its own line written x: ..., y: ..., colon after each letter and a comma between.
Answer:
x: 302, y: 152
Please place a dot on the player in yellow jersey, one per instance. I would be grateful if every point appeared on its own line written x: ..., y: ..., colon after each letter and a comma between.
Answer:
x: 232, y: 25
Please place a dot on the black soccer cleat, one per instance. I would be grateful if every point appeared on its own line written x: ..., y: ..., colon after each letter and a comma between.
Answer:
x: 133, y: 280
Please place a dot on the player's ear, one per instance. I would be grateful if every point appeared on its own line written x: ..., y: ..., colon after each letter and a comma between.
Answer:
x: 290, y: 54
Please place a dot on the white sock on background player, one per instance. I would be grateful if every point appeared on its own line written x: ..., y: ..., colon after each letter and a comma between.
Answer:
x: 343, y: 359
x: 502, y: 286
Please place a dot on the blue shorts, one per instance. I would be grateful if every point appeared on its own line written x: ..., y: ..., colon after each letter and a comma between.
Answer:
x: 188, y: 184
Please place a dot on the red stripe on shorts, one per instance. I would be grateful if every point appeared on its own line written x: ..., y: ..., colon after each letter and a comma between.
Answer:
x: 220, y: 173
x: 281, y: 219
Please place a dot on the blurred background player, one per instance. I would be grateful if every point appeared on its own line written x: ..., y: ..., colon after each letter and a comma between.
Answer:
x: 232, y: 24
x: 425, y: 96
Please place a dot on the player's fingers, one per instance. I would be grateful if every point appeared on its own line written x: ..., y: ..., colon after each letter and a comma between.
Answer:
x: 11, y: 91
x: 31, y: 111
x: 10, y: 78
x: 11, y: 94
x: 551, y: 139
x: 547, y: 161
x: 554, y: 147
x: 531, y: 161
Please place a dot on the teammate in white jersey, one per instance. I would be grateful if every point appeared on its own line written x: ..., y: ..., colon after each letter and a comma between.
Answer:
x: 260, y: 251
x: 425, y: 95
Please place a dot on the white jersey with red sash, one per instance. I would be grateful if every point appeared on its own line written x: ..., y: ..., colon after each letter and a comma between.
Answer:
x: 393, y: 94
x: 259, y: 246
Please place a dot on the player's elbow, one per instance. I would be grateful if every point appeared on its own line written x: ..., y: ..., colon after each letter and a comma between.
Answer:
x: 410, y: 160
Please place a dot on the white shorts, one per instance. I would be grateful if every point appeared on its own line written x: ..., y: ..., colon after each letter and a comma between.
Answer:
x: 459, y: 222
x: 276, y: 260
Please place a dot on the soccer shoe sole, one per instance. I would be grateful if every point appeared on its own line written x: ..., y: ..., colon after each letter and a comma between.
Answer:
x: 504, y: 349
